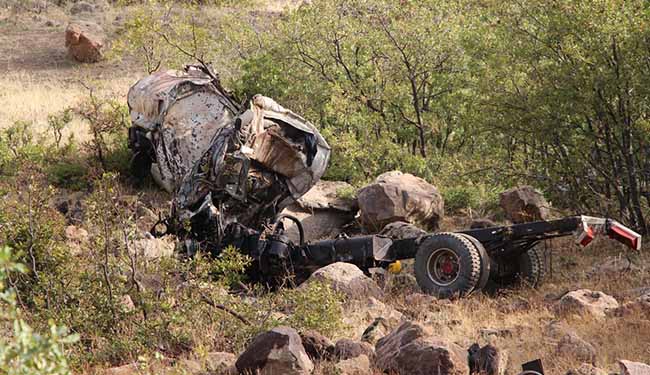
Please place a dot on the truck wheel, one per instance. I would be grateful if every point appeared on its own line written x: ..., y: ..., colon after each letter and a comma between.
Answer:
x: 532, y: 267
x: 447, y: 264
x: 485, y: 262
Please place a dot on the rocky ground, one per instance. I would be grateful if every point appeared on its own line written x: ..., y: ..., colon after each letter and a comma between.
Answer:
x: 591, y: 317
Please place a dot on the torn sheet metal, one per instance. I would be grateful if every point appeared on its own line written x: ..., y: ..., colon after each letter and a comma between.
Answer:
x: 224, y: 165
x: 180, y: 111
x: 263, y: 161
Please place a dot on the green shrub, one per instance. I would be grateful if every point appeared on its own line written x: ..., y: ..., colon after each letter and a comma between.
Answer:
x: 27, y: 352
x: 70, y: 174
x: 471, y: 199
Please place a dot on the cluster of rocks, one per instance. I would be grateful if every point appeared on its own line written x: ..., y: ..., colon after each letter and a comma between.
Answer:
x: 397, y: 205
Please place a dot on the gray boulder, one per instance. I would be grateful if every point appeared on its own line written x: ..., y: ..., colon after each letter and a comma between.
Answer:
x: 408, y: 350
x: 396, y: 196
x: 317, y: 346
x: 587, y: 302
x: 279, y: 351
x: 523, y: 204
x: 81, y: 7
x: 322, y: 211
x: 348, y: 279
x: 399, y: 230
x: 346, y: 349
x: 572, y: 344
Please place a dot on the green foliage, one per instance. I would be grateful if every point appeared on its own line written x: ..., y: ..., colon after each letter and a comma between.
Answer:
x: 70, y: 174
x: 470, y: 198
x: 230, y: 266
x: 27, y: 352
x: 108, y: 120
x: 315, y: 306
x: 56, y: 124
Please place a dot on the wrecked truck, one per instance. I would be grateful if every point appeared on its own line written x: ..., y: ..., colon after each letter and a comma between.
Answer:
x: 233, y: 167
x: 224, y: 162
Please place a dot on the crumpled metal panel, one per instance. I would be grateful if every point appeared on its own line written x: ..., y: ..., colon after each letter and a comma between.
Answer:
x: 183, y: 111
x: 285, y: 154
x: 222, y: 164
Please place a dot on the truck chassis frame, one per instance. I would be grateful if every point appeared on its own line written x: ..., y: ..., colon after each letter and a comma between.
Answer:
x: 446, y: 264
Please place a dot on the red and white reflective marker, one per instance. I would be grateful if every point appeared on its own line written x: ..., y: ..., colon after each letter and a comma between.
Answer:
x: 592, y: 226
x: 624, y: 235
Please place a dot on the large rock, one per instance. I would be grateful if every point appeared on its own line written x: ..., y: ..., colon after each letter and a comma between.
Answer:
x: 85, y: 41
x: 399, y: 230
x: 317, y: 346
x: 408, y: 350
x: 523, y: 204
x: 75, y: 238
x: 639, y: 307
x: 322, y: 211
x: 346, y: 349
x: 360, y: 315
x: 354, y: 366
x: 633, y: 368
x: 487, y: 360
x: 397, y: 196
x: 81, y: 7
x: 329, y: 195
x: 348, y: 279
x: 278, y: 351
x: 587, y: 302
x: 572, y: 344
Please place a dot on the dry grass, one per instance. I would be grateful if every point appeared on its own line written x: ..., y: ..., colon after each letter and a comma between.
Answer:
x: 524, y: 315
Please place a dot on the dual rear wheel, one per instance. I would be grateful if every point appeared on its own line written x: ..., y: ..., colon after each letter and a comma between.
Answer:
x: 456, y: 264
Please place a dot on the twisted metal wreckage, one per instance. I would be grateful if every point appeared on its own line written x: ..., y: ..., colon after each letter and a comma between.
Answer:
x: 233, y: 169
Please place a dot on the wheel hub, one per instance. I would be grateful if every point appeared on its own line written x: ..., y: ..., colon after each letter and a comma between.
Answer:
x: 443, y: 266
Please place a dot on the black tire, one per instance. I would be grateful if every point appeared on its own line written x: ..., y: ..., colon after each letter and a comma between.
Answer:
x: 485, y: 262
x: 533, y: 267
x: 433, y: 273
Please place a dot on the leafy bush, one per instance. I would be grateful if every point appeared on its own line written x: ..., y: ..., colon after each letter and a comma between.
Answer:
x: 70, y: 174
x: 26, y: 352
